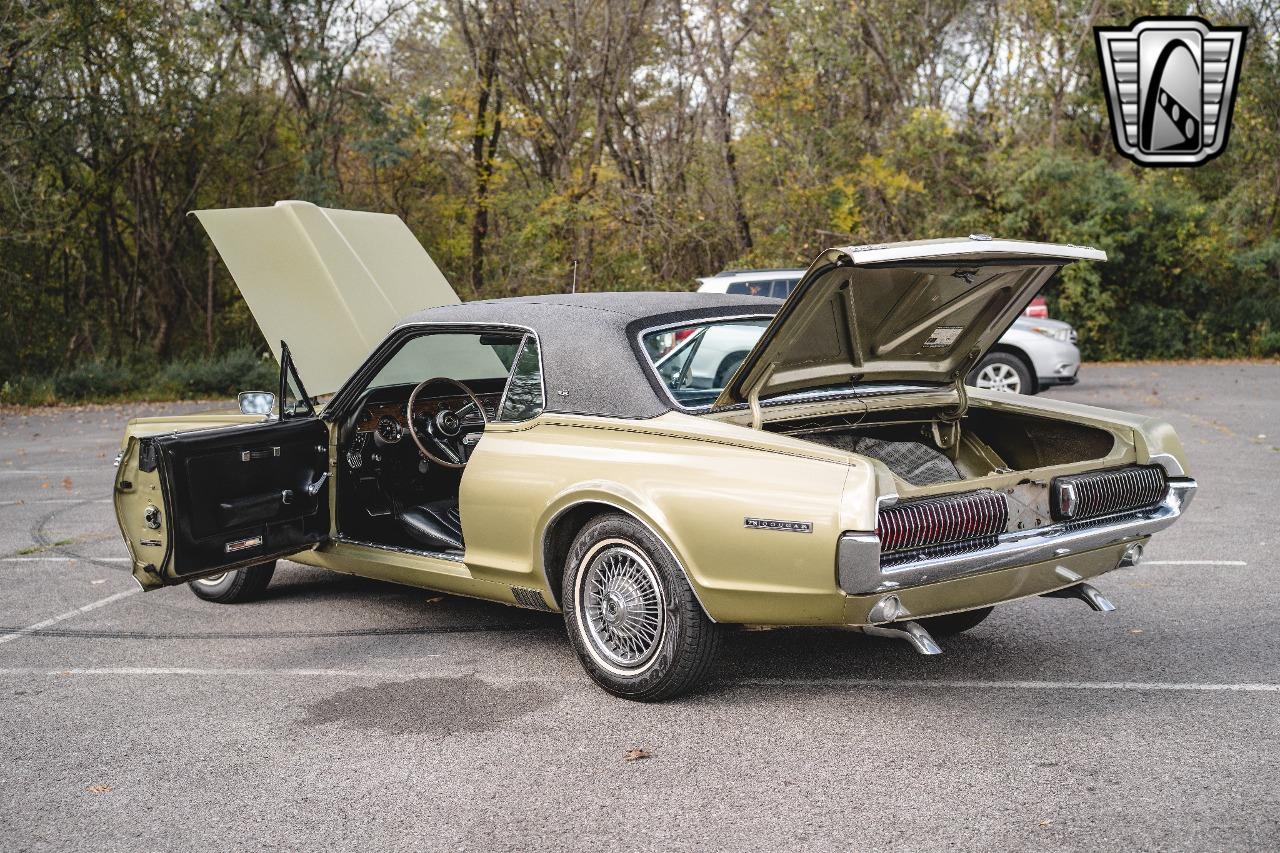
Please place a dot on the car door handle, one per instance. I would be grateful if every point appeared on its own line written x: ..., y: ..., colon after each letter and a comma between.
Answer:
x: 313, y: 489
x: 249, y: 455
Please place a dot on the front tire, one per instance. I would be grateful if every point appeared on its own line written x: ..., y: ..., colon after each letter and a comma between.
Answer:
x: 235, y: 586
x: 634, y: 621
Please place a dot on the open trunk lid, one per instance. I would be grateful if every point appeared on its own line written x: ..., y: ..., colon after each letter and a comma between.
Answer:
x: 330, y: 282
x: 923, y: 311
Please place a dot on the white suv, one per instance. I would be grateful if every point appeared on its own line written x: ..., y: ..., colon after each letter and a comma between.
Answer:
x: 1034, y: 354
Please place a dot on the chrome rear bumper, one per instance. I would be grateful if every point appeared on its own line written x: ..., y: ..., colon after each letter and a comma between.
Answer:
x: 858, y: 555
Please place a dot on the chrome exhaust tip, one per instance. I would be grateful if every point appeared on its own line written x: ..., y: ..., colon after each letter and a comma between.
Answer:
x: 1132, y: 556
x: 1086, y: 593
x: 913, y: 632
x: 886, y: 609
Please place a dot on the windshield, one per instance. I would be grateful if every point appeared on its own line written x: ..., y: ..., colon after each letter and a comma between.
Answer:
x: 466, y: 356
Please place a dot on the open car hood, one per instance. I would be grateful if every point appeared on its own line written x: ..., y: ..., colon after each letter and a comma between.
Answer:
x: 923, y: 311
x: 330, y: 282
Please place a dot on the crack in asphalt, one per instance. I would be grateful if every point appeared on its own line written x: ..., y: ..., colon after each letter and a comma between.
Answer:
x: 45, y: 544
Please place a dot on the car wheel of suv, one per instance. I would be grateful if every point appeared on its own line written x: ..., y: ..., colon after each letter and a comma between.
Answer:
x: 955, y: 623
x: 235, y: 586
x: 1001, y: 371
x: 631, y: 615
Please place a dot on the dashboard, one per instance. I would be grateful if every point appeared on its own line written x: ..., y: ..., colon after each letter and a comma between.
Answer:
x: 382, y: 426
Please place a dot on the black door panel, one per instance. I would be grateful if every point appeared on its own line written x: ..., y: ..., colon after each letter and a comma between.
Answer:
x: 242, y: 495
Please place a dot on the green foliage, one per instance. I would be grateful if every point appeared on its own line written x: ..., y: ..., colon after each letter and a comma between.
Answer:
x: 219, y: 376
x: 225, y: 375
x: 642, y: 144
x: 93, y: 380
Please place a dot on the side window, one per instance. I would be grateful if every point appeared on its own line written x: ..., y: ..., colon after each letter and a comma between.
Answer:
x: 523, y: 397
x: 749, y: 288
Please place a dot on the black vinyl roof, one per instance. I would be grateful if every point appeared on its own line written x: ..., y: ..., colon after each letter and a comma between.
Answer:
x: 592, y: 360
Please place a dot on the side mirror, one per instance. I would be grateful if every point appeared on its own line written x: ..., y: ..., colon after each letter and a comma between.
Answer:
x: 256, y: 402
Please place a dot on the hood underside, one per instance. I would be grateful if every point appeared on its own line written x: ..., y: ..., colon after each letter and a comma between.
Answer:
x: 331, y: 283
x: 924, y: 311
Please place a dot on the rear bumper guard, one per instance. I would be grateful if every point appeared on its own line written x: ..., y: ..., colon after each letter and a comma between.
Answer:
x: 858, y: 559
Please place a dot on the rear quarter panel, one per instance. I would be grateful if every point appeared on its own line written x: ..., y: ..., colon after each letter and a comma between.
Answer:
x: 691, y: 481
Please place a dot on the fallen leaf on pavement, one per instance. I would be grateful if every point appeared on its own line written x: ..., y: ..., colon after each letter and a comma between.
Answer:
x: 435, y: 599
x: 98, y: 789
x: 1135, y: 630
x: 66, y: 483
x: 635, y: 755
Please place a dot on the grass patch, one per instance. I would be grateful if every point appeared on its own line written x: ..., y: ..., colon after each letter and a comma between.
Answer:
x: 36, y: 549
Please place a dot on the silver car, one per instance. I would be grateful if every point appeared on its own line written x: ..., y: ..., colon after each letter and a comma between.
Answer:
x: 1034, y: 354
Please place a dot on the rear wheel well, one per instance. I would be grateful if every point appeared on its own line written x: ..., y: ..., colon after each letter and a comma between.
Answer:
x: 1022, y: 357
x: 559, y: 539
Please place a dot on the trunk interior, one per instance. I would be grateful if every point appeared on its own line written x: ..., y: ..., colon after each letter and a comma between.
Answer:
x: 922, y: 448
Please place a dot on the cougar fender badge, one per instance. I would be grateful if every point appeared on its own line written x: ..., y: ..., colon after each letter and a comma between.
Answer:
x: 244, y: 544
x: 1170, y: 85
x: 775, y: 524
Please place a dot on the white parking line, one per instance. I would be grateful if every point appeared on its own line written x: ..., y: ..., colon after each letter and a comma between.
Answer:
x: 219, y: 673
x: 1194, y: 563
x: 62, y: 559
x: 916, y: 684
x: 31, y: 629
x: 57, y: 501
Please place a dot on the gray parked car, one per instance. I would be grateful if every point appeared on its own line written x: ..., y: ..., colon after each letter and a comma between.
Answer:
x: 1034, y: 354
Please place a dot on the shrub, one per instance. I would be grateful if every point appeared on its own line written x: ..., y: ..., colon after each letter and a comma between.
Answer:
x: 27, y: 391
x: 226, y: 374
x: 1269, y: 344
x: 92, y: 380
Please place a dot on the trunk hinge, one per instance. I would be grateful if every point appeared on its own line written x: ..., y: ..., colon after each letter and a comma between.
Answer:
x: 946, y: 428
x: 957, y: 384
x: 753, y: 396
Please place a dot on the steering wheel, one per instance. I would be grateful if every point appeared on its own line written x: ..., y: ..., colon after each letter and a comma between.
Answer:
x: 444, y: 431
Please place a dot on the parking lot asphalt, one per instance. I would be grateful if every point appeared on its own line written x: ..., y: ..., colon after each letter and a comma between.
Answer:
x: 339, y: 713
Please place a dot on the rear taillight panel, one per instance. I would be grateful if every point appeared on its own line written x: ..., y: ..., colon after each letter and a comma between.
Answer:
x: 946, y: 520
x: 1079, y: 497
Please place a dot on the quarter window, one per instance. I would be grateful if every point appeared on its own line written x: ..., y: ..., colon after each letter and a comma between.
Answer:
x: 523, y: 398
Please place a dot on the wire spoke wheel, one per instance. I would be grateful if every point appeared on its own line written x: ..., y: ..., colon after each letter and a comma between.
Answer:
x: 998, y: 376
x: 620, y: 603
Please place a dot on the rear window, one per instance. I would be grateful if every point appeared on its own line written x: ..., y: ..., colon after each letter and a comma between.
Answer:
x: 695, y: 362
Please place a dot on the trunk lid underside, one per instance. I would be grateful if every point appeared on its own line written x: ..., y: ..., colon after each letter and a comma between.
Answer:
x: 925, y: 311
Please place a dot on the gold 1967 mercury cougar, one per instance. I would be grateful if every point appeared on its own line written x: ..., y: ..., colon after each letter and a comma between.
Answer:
x: 577, y: 453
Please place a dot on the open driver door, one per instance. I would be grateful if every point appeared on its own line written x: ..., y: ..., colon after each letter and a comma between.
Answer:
x: 197, y: 503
